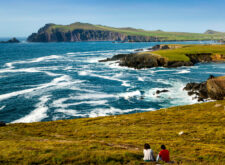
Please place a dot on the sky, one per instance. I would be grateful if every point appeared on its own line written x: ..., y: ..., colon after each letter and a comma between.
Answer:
x: 20, y: 18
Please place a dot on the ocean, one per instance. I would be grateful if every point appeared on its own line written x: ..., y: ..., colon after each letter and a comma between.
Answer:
x: 54, y: 81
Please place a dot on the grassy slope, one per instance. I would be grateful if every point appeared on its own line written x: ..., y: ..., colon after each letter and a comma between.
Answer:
x: 140, y: 32
x: 119, y: 139
x: 178, y: 54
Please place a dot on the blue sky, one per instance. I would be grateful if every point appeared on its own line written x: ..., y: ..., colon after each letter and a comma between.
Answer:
x: 22, y: 17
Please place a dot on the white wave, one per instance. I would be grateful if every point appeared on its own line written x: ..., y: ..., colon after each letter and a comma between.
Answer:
x: 94, y: 96
x: 128, y: 95
x: 183, y: 71
x: 28, y: 70
x: 60, y: 102
x: 140, y: 79
x: 163, y: 81
x: 93, y: 60
x: 38, y: 114
x: 115, y: 65
x: 118, y: 74
x: 34, y: 60
x: 2, y: 107
x: 83, y: 73
x: 70, y: 53
x: 114, y: 78
x: 70, y: 112
x: 112, y: 111
x: 162, y: 70
x: 51, y: 74
x: 59, y: 82
x: 176, y: 95
x: 105, y: 112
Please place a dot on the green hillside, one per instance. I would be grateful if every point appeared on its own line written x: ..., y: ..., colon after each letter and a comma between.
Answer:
x: 120, y: 139
x: 180, y: 53
x: 140, y: 32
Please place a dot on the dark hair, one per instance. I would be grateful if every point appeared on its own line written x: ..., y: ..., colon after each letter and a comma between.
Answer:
x: 163, y: 147
x: 147, y: 146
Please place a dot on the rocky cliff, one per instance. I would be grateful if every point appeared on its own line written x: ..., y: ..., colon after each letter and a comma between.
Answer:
x: 213, y: 88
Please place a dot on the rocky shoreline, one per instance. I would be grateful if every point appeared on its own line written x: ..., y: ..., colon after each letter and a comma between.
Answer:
x: 213, y: 88
x: 140, y: 61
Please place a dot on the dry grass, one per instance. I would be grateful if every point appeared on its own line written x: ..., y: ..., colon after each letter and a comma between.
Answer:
x: 119, y: 139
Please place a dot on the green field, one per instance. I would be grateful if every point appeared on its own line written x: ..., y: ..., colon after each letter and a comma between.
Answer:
x: 120, y: 139
x: 164, y: 36
x: 179, y: 54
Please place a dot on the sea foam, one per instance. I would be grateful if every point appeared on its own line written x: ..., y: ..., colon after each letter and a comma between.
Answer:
x: 38, y: 114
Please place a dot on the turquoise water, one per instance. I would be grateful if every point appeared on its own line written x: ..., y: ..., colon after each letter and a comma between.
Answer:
x: 52, y: 81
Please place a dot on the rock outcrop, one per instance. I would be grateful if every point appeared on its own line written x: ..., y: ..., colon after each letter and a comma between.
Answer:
x: 213, y: 88
x: 149, y: 59
x: 13, y: 40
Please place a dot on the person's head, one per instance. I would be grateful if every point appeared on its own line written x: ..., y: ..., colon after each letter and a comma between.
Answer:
x: 163, y: 147
x: 147, y: 146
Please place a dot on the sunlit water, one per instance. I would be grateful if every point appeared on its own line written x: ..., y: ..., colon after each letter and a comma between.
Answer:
x: 52, y: 81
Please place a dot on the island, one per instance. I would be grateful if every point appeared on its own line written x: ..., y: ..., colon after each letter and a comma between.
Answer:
x: 13, y: 40
x: 88, y: 32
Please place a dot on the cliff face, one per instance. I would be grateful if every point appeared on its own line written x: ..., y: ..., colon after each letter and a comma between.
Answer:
x: 48, y: 34
x: 76, y: 35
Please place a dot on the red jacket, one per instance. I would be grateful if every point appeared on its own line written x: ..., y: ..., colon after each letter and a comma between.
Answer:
x: 165, y: 155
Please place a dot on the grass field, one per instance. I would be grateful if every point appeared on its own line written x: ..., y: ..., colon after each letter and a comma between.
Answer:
x: 179, y: 54
x: 165, y: 36
x: 120, y: 139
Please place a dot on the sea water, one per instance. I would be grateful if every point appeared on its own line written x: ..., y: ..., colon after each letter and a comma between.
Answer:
x: 53, y: 81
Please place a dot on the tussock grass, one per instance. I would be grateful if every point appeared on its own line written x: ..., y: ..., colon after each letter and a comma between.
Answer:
x: 119, y: 139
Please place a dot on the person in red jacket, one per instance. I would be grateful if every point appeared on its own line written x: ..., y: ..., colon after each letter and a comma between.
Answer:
x: 164, y: 154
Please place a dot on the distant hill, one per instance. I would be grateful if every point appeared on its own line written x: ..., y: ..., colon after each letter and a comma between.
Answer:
x: 213, y: 32
x: 89, y: 32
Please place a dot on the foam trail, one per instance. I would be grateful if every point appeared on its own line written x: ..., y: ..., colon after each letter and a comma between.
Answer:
x: 40, y: 59
x: 38, y: 114
x: 59, y: 81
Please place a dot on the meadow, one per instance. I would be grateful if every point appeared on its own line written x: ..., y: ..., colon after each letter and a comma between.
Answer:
x: 179, y: 52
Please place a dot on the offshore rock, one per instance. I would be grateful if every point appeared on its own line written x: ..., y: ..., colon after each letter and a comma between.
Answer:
x: 13, y: 40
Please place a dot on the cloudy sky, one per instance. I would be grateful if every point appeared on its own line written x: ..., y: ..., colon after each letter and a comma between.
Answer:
x: 20, y: 18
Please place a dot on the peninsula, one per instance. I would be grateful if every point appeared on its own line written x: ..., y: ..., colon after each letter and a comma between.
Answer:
x: 89, y: 32
x: 172, y: 55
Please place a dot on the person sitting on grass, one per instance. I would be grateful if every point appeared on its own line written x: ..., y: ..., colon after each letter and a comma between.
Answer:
x: 163, y: 155
x: 148, y: 153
